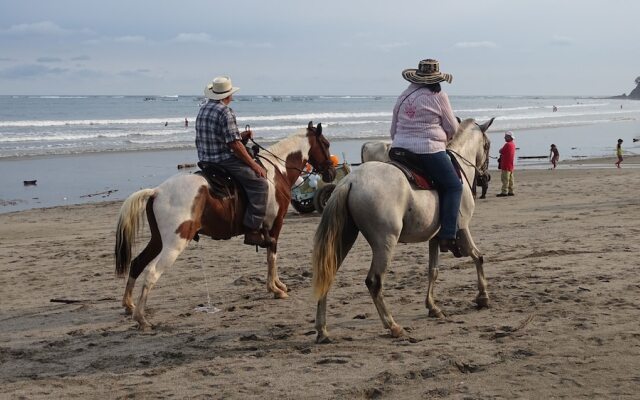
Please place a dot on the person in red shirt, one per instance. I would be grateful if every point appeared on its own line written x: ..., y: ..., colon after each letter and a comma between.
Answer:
x: 506, y: 164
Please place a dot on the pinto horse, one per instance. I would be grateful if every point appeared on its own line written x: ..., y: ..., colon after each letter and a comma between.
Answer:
x: 377, y: 200
x: 182, y: 207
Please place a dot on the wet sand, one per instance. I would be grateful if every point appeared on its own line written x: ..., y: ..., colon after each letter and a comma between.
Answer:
x: 561, y: 259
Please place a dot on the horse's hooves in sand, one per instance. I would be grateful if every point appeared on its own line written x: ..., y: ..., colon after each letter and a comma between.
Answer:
x: 437, y: 313
x: 322, y: 339
x: 280, y: 295
x: 482, y: 302
x: 396, y: 331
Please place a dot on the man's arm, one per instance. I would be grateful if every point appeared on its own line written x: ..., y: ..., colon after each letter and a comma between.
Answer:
x: 241, y: 152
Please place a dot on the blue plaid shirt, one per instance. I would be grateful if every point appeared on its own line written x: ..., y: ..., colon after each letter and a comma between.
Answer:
x: 215, y: 128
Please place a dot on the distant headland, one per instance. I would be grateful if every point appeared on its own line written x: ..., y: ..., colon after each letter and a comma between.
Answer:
x: 634, y: 95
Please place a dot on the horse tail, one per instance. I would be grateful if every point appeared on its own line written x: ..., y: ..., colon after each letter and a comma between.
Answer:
x: 129, y: 223
x: 328, y: 241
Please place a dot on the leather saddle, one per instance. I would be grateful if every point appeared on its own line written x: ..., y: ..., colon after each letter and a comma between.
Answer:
x: 221, y: 183
x: 407, y: 162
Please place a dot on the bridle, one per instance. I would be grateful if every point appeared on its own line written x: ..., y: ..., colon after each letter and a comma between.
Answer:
x: 485, y: 165
x: 324, y: 149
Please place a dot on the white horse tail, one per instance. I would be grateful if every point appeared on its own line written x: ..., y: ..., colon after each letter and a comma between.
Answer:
x: 129, y: 223
x: 328, y: 246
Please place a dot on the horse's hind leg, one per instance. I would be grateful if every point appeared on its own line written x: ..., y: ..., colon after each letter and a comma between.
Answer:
x: 469, y: 247
x: 165, y: 260
x: 434, y: 311
x: 381, y: 257
x: 142, y: 260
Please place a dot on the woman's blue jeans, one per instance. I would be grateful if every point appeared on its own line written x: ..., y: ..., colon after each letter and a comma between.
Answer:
x: 440, y: 170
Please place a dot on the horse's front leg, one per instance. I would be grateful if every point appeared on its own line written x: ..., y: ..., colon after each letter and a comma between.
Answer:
x: 434, y: 311
x: 466, y: 241
x: 274, y: 285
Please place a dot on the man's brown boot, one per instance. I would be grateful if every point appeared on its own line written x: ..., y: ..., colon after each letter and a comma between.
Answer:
x: 254, y: 238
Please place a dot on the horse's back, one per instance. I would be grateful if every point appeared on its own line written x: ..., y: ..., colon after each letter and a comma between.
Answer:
x: 382, y: 200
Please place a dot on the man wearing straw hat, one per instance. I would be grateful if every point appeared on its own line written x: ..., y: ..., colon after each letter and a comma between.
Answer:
x: 219, y: 141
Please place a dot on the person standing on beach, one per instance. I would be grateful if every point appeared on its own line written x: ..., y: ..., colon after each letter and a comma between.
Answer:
x: 619, y: 152
x: 554, y: 155
x: 506, y: 164
x: 422, y: 123
x: 219, y: 142
x: 186, y: 122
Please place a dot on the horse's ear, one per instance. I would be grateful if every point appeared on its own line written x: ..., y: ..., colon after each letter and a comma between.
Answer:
x: 310, y: 126
x: 458, y: 119
x: 486, y: 125
x: 319, y: 130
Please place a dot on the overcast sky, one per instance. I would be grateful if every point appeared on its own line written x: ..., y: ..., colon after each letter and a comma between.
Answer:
x: 493, y: 47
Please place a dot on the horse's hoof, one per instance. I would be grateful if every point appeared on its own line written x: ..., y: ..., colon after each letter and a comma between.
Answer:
x: 482, y: 302
x: 323, y: 339
x: 280, y: 295
x: 146, y: 327
x: 128, y: 310
x: 436, y: 313
x: 396, y: 331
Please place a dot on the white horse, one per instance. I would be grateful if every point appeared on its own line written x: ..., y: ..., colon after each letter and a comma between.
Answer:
x: 183, y: 207
x: 375, y: 151
x: 377, y: 200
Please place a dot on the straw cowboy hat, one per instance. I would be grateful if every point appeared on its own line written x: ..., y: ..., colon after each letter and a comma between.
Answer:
x: 220, y: 88
x: 428, y: 72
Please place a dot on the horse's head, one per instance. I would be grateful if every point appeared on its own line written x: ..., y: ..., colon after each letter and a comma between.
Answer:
x: 319, y: 156
x: 482, y: 158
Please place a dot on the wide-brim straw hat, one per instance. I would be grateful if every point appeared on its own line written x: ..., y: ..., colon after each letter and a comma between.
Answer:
x: 428, y: 72
x: 220, y: 88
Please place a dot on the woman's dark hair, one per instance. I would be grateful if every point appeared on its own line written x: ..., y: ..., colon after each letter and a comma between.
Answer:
x: 434, y: 87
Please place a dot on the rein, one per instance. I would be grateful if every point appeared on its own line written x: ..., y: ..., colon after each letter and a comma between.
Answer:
x: 284, y: 162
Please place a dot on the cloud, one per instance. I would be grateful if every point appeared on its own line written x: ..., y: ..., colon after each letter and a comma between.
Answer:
x: 36, y: 28
x: 558, y: 40
x: 48, y: 59
x: 135, y: 73
x: 5, y: 59
x: 30, y: 71
x: 192, y: 38
x: 476, y: 45
x: 130, y: 39
x: 81, y: 58
x: 390, y: 46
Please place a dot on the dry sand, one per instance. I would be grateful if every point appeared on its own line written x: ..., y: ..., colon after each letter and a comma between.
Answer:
x: 561, y: 260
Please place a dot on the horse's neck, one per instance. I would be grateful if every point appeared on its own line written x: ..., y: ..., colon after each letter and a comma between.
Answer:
x: 289, y: 152
x: 465, y: 149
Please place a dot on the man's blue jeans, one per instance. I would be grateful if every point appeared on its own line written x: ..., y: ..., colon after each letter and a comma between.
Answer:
x: 441, y: 172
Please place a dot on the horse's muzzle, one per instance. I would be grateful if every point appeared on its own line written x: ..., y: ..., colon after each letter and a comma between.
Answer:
x: 329, y: 174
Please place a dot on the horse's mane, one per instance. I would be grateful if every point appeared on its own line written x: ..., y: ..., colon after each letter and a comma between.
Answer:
x: 287, y: 145
x: 464, y: 126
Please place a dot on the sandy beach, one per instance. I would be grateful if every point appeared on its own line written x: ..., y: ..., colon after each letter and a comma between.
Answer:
x: 561, y: 258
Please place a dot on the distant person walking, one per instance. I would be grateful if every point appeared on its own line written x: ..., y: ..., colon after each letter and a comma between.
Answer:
x: 506, y: 163
x: 619, y: 152
x: 554, y: 155
x: 186, y: 123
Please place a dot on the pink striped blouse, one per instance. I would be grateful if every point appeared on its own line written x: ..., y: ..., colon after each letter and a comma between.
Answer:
x: 423, y: 122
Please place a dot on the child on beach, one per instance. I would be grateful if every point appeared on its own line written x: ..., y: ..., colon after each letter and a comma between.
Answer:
x: 554, y: 155
x: 619, y: 152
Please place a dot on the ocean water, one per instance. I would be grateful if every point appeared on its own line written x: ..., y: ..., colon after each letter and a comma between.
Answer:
x: 94, y: 148
x: 57, y: 125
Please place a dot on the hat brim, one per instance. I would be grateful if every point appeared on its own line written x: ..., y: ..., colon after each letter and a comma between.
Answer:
x: 412, y: 76
x: 210, y: 94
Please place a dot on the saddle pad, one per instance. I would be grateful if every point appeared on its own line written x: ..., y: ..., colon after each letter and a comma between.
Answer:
x: 414, y: 177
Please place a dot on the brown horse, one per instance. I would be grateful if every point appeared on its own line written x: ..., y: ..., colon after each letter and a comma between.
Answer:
x: 182, y: 207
